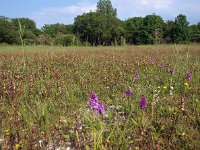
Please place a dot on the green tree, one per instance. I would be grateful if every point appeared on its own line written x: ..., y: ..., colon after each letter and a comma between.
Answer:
x: 44, y: 39
x: 180, y: 30
x: 7, y: 31
x: 168, y: 34
x: 66, y: 39
x: 53, y: 29
x: 194, y: 33
x: 98, y: 29
x: 105, y: 7
x: 28, y: 23
x: 26, y: 29
x: 133, y: 28
x: 153, y: 25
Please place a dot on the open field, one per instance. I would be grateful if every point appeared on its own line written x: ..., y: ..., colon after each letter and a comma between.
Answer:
x: 150, y: 94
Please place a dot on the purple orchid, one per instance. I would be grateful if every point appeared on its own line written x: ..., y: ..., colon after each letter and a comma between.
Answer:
x: 136, y: 75
x: 188, y: 75
x: 96, y: 104
x: 128, y: 93
x: 143, y: 102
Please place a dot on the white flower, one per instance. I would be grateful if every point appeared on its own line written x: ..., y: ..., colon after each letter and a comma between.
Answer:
x: 68, y: 148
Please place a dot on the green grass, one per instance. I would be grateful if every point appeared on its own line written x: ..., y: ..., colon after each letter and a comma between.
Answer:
x: 44, y: 97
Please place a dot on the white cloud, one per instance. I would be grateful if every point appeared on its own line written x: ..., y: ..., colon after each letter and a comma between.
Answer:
x: 131, y: 8
x: 157, y: 4
x: 64, y: 15
x: 167, y: 9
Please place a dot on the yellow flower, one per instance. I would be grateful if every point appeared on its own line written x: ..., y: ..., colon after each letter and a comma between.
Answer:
x: 183, y: 133
x: 186, y: 84
x: 31, y: 124
x: 42, y: 132
x: 17, y: 146
x: 165, y: 87
x: 7, y: 131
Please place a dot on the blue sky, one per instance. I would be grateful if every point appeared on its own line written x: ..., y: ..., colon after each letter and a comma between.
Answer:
x: 64, y: 11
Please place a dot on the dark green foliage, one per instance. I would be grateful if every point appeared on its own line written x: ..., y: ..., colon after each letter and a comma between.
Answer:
x: 168, y: 36
x: 44, y: 40
x: 66, y: 39
x: 101, y: 27
x: 133, y: 27
x: 28, y: 23
x: 180, y: 30
x: 98, y: 29
x: 53, y: 29
x: 194, y: 32
x: 7, y: 31
x: 153, y: 25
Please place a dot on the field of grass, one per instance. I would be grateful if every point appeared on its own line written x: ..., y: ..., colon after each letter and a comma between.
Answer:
x: 150, y: 96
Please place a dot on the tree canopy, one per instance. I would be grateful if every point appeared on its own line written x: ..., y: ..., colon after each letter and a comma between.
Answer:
x: 100, y: 27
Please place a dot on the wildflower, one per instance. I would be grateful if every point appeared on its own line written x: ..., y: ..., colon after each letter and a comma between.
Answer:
x: 11, y: 92
x: 7, y: 131
x: 101, y: 109
x: 17, y: 146
x: 171, y: 90
x: 186, y: 84
x: 164, y: 87
x: 68, y: 148
x: 128, y: 92
x: 182, y: 103
x: 143, y: 102
x: 136, y: 75
x: 171, y: 71
x: 188, y: 75
x: 41, y: 143
x: 161, y: 66
x: 94, y: 102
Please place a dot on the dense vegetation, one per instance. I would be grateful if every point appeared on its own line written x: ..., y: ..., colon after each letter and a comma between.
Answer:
x: 101, y: 27
x: 147, y: 97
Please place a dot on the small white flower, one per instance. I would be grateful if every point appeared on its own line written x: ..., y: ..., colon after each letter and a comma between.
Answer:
x: 68, y: 148
x: 41, y: 143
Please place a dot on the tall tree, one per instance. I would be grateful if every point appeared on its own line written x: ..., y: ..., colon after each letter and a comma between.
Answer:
x: 180, y: 29
x: 98, y: 29
x: 105, y: 7
x: 153, y: 25
x: 168, y: 34
x: 7, y: 31
x: 133, y: 28
x: 28, y: 27
x: 194, y: 33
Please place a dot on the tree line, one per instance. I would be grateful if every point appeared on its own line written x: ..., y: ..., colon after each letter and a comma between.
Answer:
x: 101, y: 27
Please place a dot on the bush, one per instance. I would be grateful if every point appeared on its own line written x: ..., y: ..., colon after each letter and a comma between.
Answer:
x: 66, y: 39
x: 44, y: 40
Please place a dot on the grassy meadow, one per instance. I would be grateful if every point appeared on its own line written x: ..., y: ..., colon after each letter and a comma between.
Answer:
x: 45, y: 95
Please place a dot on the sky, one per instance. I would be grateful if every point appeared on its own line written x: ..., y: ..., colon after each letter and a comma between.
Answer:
x: 64, y: 11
